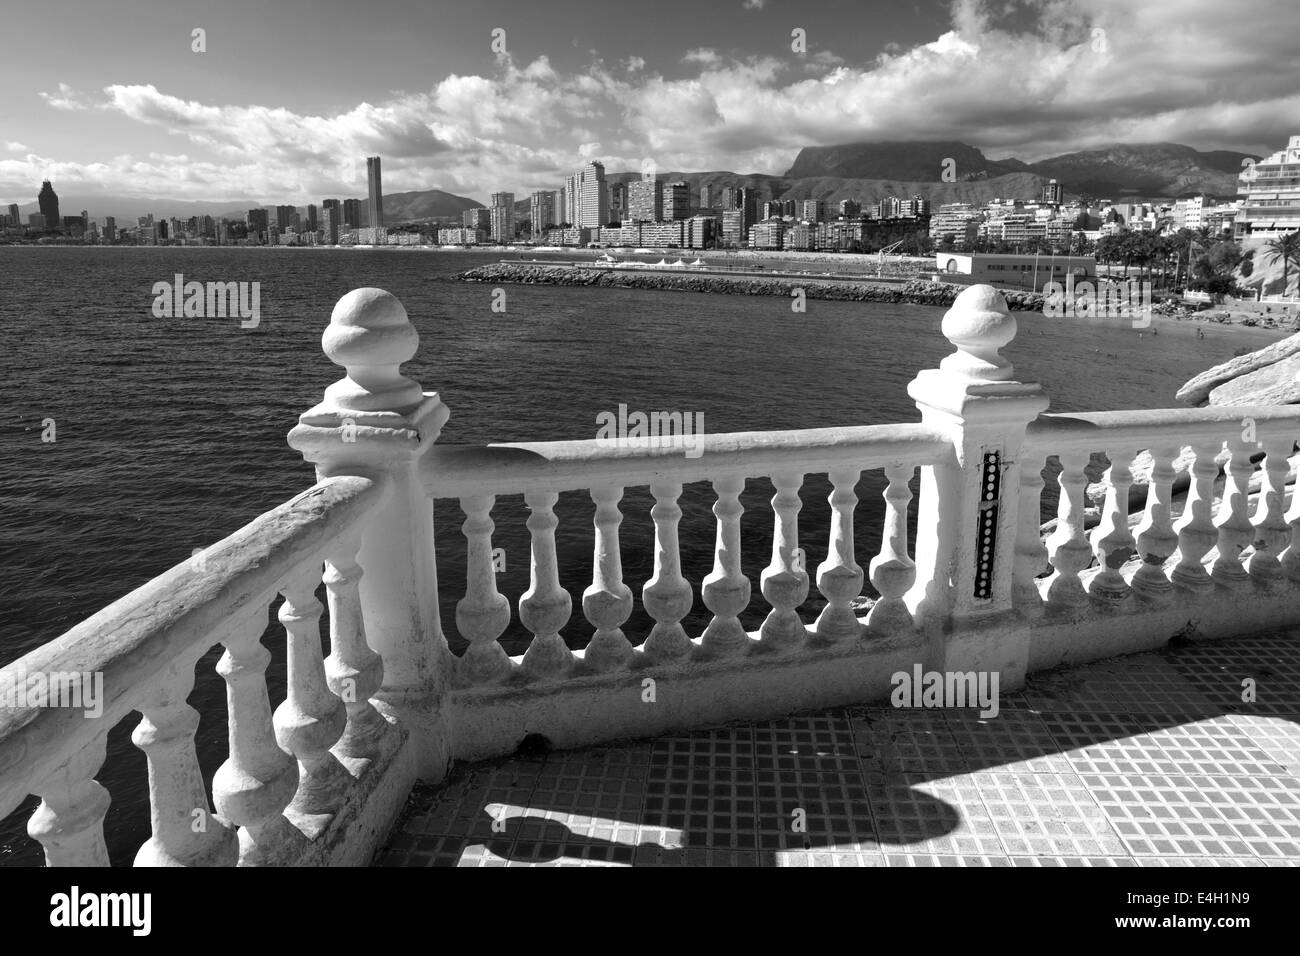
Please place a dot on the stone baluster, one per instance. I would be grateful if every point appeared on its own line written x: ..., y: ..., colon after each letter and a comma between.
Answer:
x: 1233, y: 521
x: 1068, y: 545
x: 839, y: 577
x: 311, y: 719
x: 258, y: 780
x: 892, y: 571
x: 1112, y: 542
x: 667, y: 596
x: 784, y: 582
x: 726, y: 589
x: 483, y: 614
x: 69, y: 823
x: 1196, y: 531
x: 185, y: 830
x: 1031, y: 554
x: 545, y: 607
x: 607, y: 603
x: 1156, y: 539
x: 1290, y: 558
x: 1271, y: 530
x: 355, y: 673
x: 376, y: 420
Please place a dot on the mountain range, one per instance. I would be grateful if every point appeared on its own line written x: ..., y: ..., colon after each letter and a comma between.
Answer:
x: 866, y: 172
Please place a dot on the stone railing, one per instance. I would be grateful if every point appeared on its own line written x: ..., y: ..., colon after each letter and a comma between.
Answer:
x: 321, y: 780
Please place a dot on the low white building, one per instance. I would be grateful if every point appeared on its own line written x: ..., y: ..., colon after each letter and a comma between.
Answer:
x: 1015, y: 271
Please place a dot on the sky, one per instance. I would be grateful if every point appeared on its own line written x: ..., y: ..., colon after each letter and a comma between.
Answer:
x: 288, y: 98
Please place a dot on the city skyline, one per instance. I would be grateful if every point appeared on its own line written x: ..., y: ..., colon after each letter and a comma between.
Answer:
x: 544, y: 104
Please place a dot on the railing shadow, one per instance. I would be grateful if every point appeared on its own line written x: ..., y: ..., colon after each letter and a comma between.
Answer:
x: 873, y: 781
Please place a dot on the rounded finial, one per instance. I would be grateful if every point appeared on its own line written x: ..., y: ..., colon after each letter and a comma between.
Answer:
x: 978, y: 324
x: 370, y: 335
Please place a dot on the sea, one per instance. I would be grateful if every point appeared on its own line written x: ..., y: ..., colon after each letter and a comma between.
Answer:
x: 169, y: 433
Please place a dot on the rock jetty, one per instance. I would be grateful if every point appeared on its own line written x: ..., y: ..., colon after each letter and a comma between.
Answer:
x: 917, y: 292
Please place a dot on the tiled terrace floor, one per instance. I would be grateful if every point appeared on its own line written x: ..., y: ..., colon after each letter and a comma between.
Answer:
x: 1150, y: 760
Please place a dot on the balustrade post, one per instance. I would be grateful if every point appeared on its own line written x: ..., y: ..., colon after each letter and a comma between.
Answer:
x: 69, y: 823
x: 667, y: 596
x: 784, y: 582
x: 968, y: 508
x: 1156, y: 537
x: 377, y: 421
x: 1271, y: 532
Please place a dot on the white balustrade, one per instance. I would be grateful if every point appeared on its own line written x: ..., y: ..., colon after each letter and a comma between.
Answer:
x: 1031, y: 554
x: 1068, y: 545
x: 726, y: 589
x: 354, y: 672
x: 667, y: 596
x: 784, y: 582
x: 69, y: 823
x: 893, y: 572
x: 545, y: 607
x: 839, y: 578
x: 1156, y: 538
x: 1196, y: 531
x: 1112, y: 541
x: 311, y: 719
x: 1271, y: 533
x: 1233, y: 522
x: 607, y: 603
x: 483, y: 614
x: 185, y: 830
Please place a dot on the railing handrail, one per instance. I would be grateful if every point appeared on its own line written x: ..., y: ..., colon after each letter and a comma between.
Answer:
x: 454, y: 471
x: 1162, y: 427
x: 179, y: 613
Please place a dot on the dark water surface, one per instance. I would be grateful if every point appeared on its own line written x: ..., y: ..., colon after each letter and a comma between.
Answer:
x: 171, y: 432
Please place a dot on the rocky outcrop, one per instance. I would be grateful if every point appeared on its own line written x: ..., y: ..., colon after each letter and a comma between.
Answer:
x: 1198, y: 390
x: 917, y: 292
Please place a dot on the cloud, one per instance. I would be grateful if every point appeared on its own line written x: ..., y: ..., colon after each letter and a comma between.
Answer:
x: 14, y: 146
x: 1027, y: 79
x: 754, y: 4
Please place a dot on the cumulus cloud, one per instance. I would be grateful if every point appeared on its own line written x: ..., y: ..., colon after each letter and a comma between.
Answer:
x: 13, y: 146
x: 1029, y: 79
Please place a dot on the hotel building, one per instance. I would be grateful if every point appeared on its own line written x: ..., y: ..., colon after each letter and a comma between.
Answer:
x: 1270, y: 191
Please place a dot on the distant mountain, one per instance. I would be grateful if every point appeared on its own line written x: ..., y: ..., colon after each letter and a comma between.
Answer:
x: 1146, y: 170
x: 425, y: 204
x: 910, y: 161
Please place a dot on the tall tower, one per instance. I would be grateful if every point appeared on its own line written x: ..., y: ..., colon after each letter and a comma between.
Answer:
x: 376, y: 207
x: 49, y: 203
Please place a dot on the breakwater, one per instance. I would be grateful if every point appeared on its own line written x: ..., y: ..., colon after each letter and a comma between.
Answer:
x: 917, y: 292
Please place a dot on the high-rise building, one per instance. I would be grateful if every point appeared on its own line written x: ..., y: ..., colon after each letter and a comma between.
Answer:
x: 1270, y: 194
x: 591, y: 199
x: 541, y: 211
x: 677, y: 201
x: 14, y: 218
x: 728, y: 197
x: 502, y: 217
x: 617, y: 202
x: 329, y: 222
x: 110, y: 229
x: 706, y: 199
x: 376, y: 205
x: 311, y: 218
x: 352, y: 213
x: 813, y: 210
x: 571, y: 200
x: 477, y: 217
x: 850, y: 209
x: 1053, y: 193
x: 336, y: 206
x: 645, y: 201
x: 48, y: 200
x: 283, y: 215
x: 257, y: 223
x: 747, y: 200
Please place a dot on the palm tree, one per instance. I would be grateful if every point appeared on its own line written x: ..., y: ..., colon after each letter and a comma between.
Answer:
x: 1284, y: 249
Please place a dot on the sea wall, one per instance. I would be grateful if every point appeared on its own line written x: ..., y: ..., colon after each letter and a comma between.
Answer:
x: 917, y: 292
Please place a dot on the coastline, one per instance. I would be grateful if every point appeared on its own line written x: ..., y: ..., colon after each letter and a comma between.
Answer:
x: 914, y: 292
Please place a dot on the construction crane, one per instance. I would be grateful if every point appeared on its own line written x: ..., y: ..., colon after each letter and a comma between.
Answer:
x: 880, y: 257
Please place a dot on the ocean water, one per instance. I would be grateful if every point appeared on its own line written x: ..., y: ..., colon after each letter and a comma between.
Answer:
x: 170, y: 433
